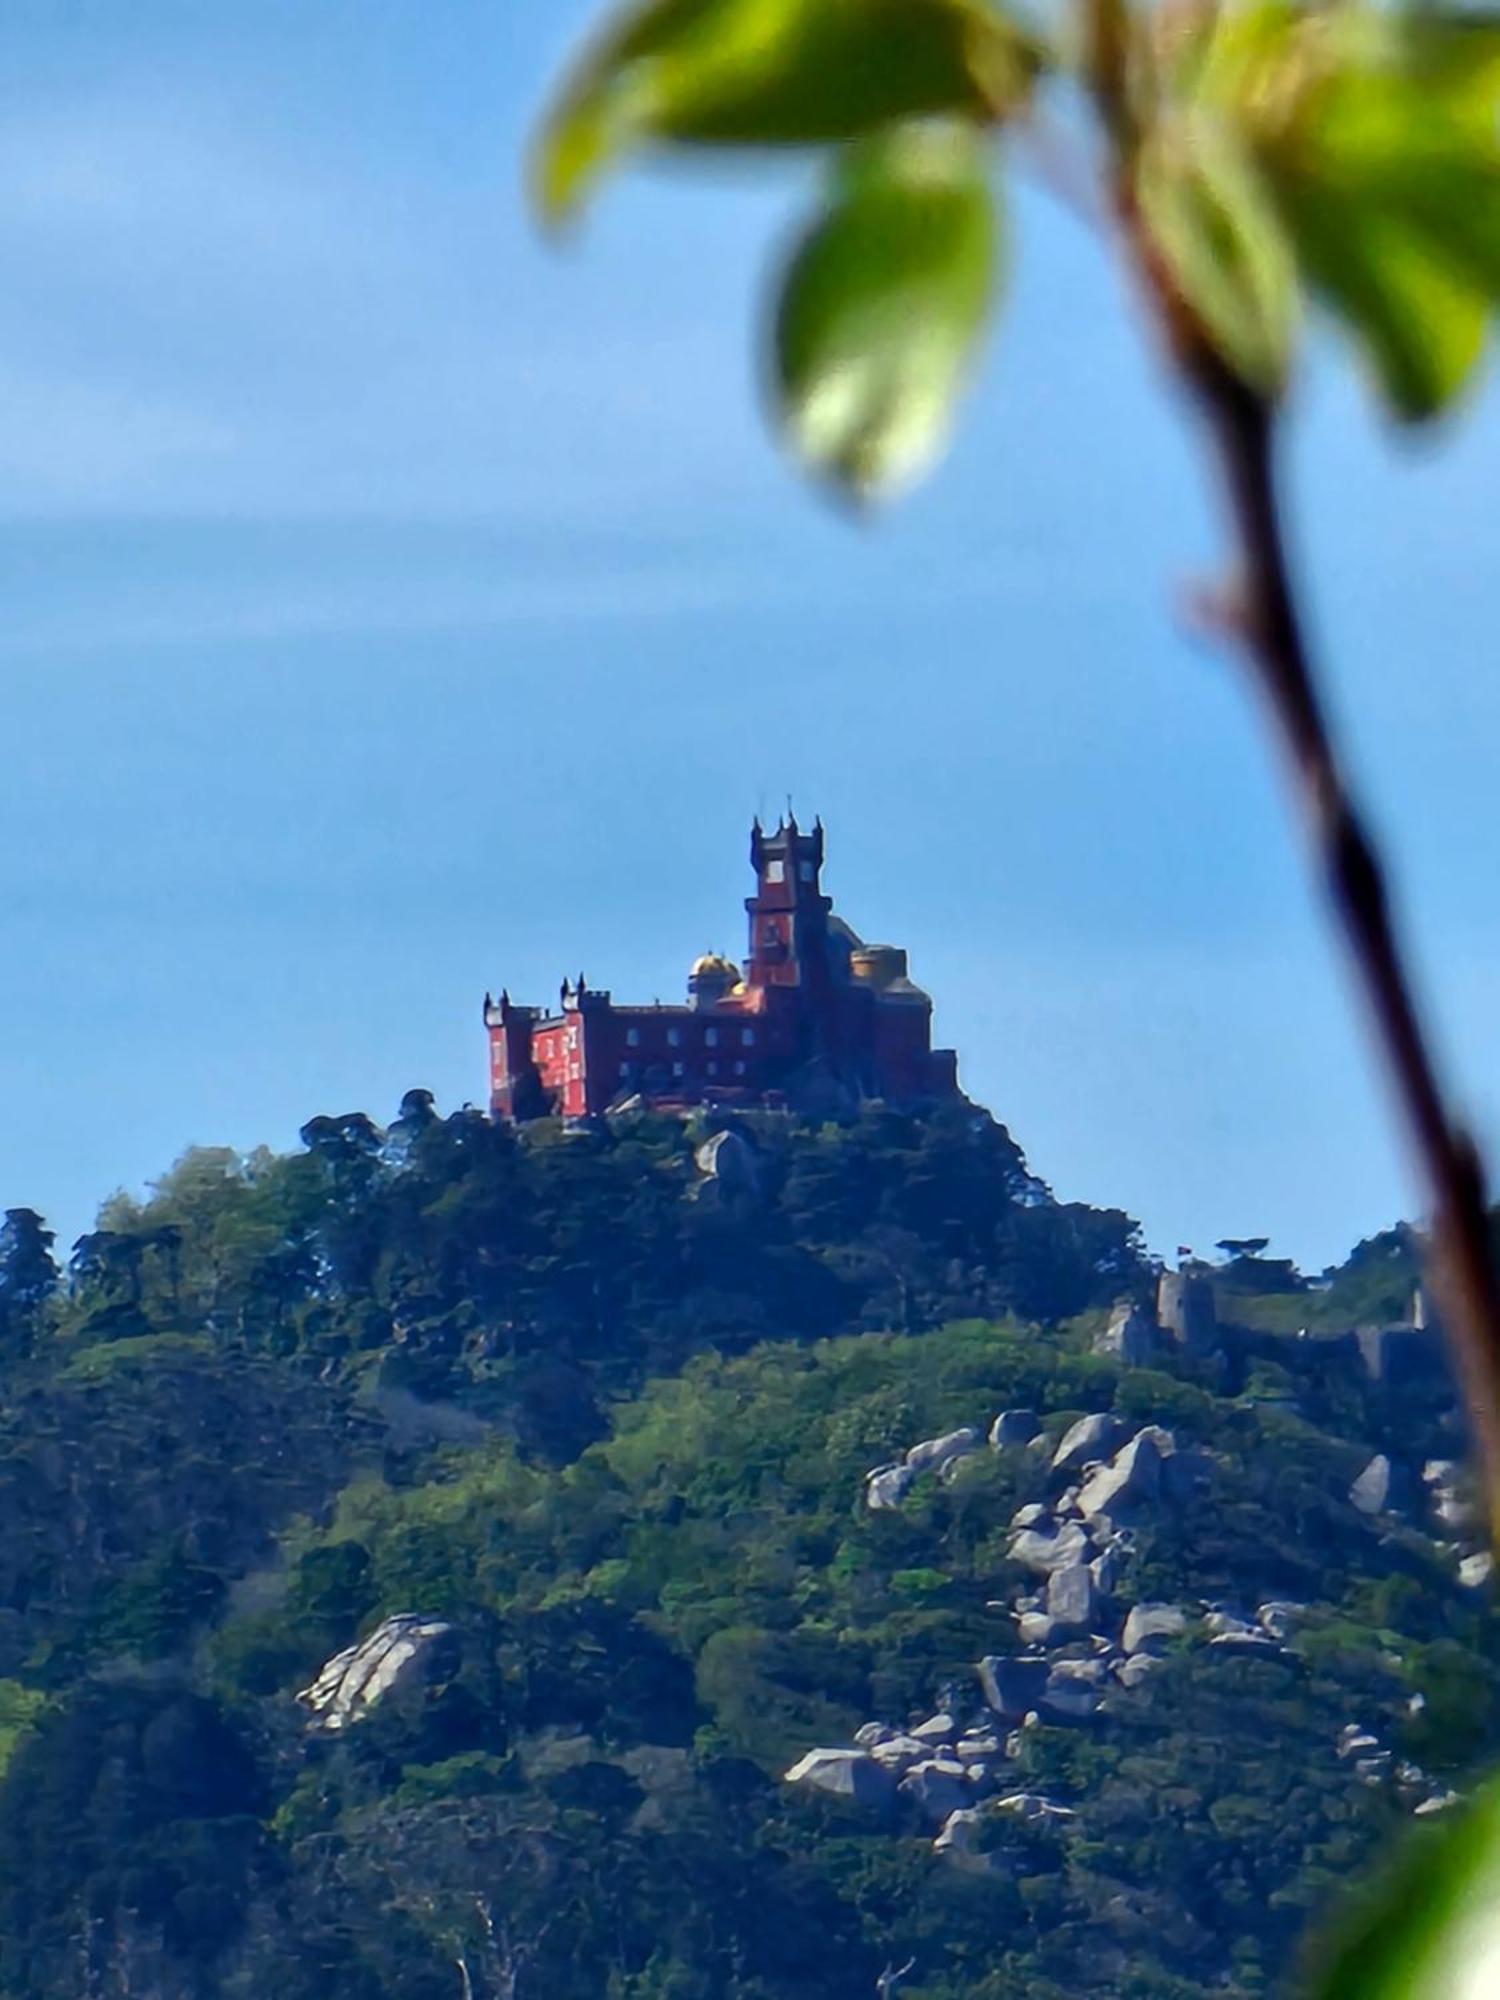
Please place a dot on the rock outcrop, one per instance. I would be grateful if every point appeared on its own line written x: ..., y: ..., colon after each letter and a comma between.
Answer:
x: 1148, y: 1627
x: 1131, y: 1479
x: 1012, y: 1687
x: 1371, y: 1491
x: 403, y: 1651
x: 1072, y: 1600
x: 887, y: 1486
x: 1049, y: 1546
x: 1131, y: 1336
x: 1013, y: 1428
x: 1092, y: 1437
x: 933, y: 1454
x: 847, y: 1774
x: 729, y: 1161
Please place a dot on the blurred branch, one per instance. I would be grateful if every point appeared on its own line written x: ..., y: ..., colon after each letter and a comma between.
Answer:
x: 1258, y: 609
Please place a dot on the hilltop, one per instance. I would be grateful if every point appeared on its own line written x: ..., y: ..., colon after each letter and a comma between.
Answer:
x: 426, y: 1556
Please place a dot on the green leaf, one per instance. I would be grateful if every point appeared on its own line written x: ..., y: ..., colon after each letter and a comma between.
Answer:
x: 1375, y: 132
x: 1210, y: 217
x: 1429, y: 1928
x: 775, y: 73
x: 882, y: 305
x: 1420, y: 322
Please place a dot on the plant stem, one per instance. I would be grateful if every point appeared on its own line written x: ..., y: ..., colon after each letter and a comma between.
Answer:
x: 1241, y: 424
x: 1266, y: 621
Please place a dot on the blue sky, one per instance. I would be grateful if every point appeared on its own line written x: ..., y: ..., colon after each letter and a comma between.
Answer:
x: 392, y: 607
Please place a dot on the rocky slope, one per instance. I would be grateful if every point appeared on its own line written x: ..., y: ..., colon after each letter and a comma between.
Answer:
x: 437, y: 1564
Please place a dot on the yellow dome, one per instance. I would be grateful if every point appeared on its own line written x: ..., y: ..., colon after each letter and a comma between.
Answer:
x: 712, y: 966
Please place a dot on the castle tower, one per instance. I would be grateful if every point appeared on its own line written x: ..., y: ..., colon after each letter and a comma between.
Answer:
x: 788, y: 912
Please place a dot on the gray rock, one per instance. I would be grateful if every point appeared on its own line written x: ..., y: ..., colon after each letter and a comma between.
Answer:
x: 1221, y: 1624
x: 939, y: 1728
x: 404, y: 1651
x: 729, y: 1159
x: 1441, y: 1471
x: 1148, y: 1627
x: 936, y: 1787
x: 1248, y: 1641
x: 1139, y: 1667
x: 932, y: 1454
x: 1371, y: 1492
x: 1012, y: 1687
x: 1105, y: 1569
x: 1454, y: 1510
x: 1131, y: 1336
x: 975, y: 1749
x: 887, y: 1486
x: 1279, y: 1619
x: 847, y: 1774
x: 1130, y: 1481
x: 1073, y: 1689
x: 1070, y: 1598
x: 1031, y: 1806
x: 897, y: 1753
x: 960, y: 1843
x: 1042, y: 1553
x: 1474, y: 1571
x: 870, y: 1733
x: 1355, y: 1742
x: 961, y: 1466
x: 1439, y: 1802
x: 1013, y: 1427
x: 1029, y: 1515
x: 1091, y: 1438
x: 1036, y: 1628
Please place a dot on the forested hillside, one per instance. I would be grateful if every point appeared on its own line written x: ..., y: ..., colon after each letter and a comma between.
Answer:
x: 565, y: 1441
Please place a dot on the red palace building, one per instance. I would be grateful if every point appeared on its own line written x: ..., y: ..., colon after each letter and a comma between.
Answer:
x: 814, y: 1017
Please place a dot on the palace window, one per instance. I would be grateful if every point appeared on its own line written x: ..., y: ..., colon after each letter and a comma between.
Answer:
x: 775, y: 871
x: 747, y: 1038
x: 677, y: 1069
x: 713, y: 1069
x: 711, y: 1038
x: 739, y: 1069
x: 624, y: 1069
x: 633, y: 1038
x: 806, y: 871
x: 674, y: 1037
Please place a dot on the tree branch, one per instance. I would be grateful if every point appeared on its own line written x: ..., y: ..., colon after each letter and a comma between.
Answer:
x: 1242, y: 426
x: 1262, y: 611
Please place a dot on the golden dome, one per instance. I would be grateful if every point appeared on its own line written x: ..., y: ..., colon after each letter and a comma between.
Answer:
x: 712, y: 966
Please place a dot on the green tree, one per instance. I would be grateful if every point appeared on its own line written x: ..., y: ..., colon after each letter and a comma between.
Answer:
x: 29, y: 1278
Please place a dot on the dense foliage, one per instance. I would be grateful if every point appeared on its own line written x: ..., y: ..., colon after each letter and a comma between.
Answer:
x: 610, y: 1416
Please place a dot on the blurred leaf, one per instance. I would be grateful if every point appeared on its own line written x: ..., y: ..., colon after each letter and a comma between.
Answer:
x: 1452, y: 56
x: 1210, y: 217
x: 1429, y: 1928
x: 1396, y: 221
x: 775, y: 73
x: 882, y: 304
x: 1375, y: 132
